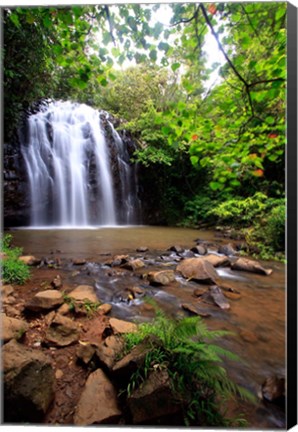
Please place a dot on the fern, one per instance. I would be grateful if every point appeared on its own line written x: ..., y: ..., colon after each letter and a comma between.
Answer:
x: 194, y: 364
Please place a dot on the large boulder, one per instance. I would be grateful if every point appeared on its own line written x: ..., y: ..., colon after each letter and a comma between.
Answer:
x: 198, y: 270
x: 153, y: 402
x: 244, y: 264
x: 163, y: 277
x: 109, y: 350
x: 98, y: 402
x: 12, y: 328
x: 45, y: 300
x: 28, y: 383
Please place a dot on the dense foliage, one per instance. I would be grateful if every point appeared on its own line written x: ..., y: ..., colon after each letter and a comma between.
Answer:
x: 13, y: 270
x: 185, y: 349
x: 203, y: 148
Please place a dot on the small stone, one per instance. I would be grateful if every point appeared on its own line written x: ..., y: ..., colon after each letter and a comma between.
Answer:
x: 84, y: 292
x: 12, y: 328
x: 199, y: 249
x: 195, y: 309
x: 134, y: 264
x: 178, y: 249
x: 244, y: 264
x: 62, y: 331
x: 59, y: 374
x: 142, y: 249
x: 57, y: 282
x: 163, y: 277
x: 45, y: 300
x: 79, y: 261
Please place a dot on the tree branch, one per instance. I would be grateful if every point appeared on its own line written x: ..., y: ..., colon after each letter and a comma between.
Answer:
x: 107, y: 11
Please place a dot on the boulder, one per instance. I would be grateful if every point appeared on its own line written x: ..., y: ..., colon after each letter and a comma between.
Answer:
x: 195, y: 309
x: 117, y: 260
x: 84, y: 292
x: 62, y: 331
x: 217, y: 261
x: 109, y: 350
x: 244, y: 264
x: 85, y: 352
x: 30, y: 260
x: 163, y: 277
x: 198, y: 270
x: 134, y: 264
x: 28, y: 383
x: 98, y: 402
x: 120, y: 326
x: 218, y: 297
x: 45, y: 300
x: 273, y: 389
x: 227, y: 249
x: 12, y: 328
x: 153, y: 400
x: 199, y: 249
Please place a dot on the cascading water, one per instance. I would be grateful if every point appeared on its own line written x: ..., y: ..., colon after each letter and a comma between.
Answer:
x: 69, y: 166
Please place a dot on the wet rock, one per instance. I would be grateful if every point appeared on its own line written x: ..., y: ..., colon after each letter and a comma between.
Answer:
x: 98, y: 402
x: 28, y: 383
x: 84, y: 292
x: 45, y: 300
x: 195, y: 309
x: 199, y: 249
x: 134, y: 264
x: 57, y: 282
x: 231, y: 295
x: 227, y: 249
x: 244, y: 264
x: 117, y: 260
x: 135, y: 290
x: 105, y: 308
x: 12, y: 328
x: 218, y: 297
x: 163, y: 277
x: 142, y: 249
x: 217, y: 261
x: 30, y: 260
x: 198, y: 270
x: 120, y: 326
x: 79, y: 261
x: 62, y: 331
x: 273, y: 389
x: 177, y: 249
x: 153, y: 400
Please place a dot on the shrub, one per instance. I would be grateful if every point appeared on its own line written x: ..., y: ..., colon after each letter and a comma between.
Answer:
x: 194, y: 366
x: 13, y: 270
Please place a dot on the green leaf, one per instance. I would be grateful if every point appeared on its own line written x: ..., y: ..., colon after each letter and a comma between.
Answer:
x: 235, y: 182
x: 280, y: 12
x: 15, y: 19
x: 194, y: 160
x: 270, y: 120
x: 153, y: 55
x: 164, y: 46
x: 215, y: 185
x: 175, y: 66
x: 165, y: 130
x: 47, y: 21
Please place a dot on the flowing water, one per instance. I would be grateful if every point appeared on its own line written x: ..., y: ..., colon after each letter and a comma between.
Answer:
x: 70, y: 169
x: 256, y: 318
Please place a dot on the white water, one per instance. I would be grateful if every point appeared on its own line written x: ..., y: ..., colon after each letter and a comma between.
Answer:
x: 69, y: 169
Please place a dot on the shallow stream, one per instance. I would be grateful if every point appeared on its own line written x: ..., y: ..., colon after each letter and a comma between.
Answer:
x: 256, y: 317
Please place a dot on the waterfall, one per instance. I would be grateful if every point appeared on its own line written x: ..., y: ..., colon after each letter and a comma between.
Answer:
x: 77, y: 177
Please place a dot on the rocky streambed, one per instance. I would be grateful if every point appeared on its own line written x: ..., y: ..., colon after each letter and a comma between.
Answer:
x: 67, y: 323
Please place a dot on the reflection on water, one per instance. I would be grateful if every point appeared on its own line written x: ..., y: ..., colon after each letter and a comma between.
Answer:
x: 257, y: 317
